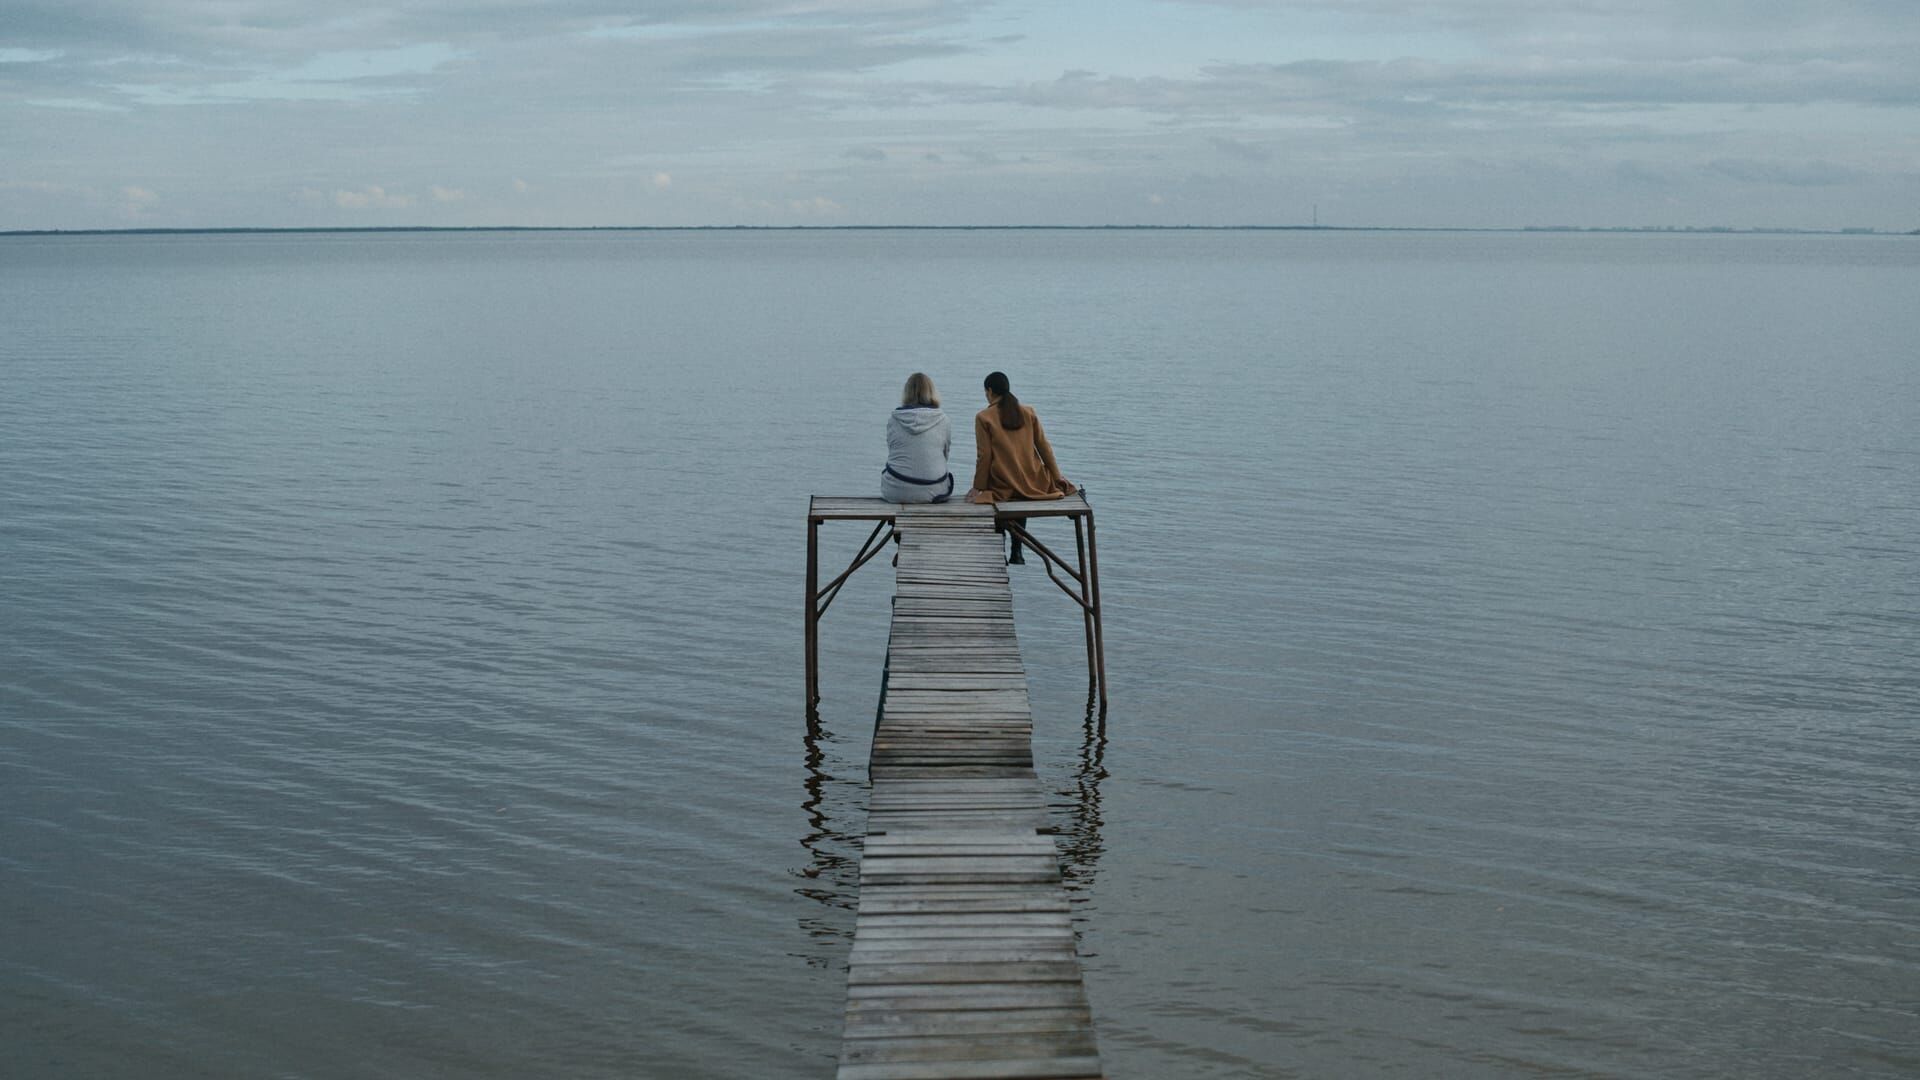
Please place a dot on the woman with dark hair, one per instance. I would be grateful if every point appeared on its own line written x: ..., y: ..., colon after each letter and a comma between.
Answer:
x: 919, y: 437
x: 1013, y: 459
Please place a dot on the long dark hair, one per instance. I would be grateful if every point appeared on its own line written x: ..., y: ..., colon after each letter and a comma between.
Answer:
x: 1010, y: 417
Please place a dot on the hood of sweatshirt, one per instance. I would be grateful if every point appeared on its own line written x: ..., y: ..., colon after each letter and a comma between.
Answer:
x: 919, y: 419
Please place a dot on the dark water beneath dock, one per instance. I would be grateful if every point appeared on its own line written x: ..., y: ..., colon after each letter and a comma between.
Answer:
x: 1514, y: 643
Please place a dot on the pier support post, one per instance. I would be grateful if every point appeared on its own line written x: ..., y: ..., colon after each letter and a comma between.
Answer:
x: 813, y: 612
x: 1086, y: 609
x: 1099, y: 632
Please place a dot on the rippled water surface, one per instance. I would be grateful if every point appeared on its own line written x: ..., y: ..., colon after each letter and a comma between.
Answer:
x: 1514, y: 645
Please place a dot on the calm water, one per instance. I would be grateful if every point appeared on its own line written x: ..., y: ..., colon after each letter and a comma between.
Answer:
x: 1514, y: 640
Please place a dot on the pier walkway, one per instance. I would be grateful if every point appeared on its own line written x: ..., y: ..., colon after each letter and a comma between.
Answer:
x: 963, y: 961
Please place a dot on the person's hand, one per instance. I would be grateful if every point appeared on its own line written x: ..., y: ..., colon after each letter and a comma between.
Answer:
x: 975, y: 495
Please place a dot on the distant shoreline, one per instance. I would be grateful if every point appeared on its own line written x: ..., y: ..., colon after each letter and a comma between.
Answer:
x: 1679, y: 230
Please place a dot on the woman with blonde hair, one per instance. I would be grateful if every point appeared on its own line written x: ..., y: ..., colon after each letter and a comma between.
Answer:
x: 919, y: 438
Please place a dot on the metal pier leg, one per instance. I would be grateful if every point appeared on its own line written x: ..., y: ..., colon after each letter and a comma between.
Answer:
x: 813, y: 613
x: 1099, y: 633
x: 1086, y: 611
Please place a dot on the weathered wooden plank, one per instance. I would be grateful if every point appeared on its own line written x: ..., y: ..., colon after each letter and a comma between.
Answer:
x: 959, y: 798
x: 881, y: 920
x: 969, y: 617
x: 967, y: 940
x: 1036, y: 972
x: 882, y: 938
x: 920, y: 772
x: 908, y: 772
x: 1028, y: 902
x: 954, y: 736
x: 985, y: 721
x: 1051, y: 1069
x: 936, y: 700
x: 919, y: 818
x: 962, y: 891
x: 936, y: 800
x: 878, y: 1023
x: 908, y: 605
x: 915, y: 819
x: 957, y: 784
x: 952, y: 730
x: 1014, y: 1046
x: 936, y: 663
x: 987, y: 633
x: 958, y: 997
x: 952, y: 744
x: 985, y: 725
x: 1006, y: 682
x: 957, y: 731
x: 961, y: 952
x: 946, y: 651
x: 987, y: 867
x: 967, y: 834
x: 932, y: 808
x: 1063, y: 507
x: 902, y: 846
x: 934, y: 742
x: 895, y: 757
x: 931, y: 747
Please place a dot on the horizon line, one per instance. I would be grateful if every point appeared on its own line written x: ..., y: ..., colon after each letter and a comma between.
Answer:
x: 1683, y: 229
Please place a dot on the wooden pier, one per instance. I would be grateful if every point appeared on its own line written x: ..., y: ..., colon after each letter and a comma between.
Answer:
x: 963, y: 961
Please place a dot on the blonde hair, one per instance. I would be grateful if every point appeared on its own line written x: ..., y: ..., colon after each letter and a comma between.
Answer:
x: 919, y: 391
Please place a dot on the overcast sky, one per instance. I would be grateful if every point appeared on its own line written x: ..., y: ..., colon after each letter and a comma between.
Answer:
x: 120, y: 113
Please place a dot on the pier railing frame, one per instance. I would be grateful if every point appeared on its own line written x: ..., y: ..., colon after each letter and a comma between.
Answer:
x: 1012, y: 517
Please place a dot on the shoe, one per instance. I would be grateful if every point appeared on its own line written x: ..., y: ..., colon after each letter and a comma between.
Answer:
x: 1016, y: 559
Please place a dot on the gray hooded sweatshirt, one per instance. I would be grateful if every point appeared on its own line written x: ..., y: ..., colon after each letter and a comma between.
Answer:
x: 918, y: 441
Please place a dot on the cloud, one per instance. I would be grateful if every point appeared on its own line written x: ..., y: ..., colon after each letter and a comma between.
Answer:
x: 1787, y: 173
x: 136, y: 201
x: 864, y: 153
x: 1240, y: 91
x: 818, y: 206
x: 447, y: 194
x: 1242, y: 151
x: 371, y: 197
x: 80, y: 104
x: 198, y: 30
x: 662, y: 180
x: 521, y: 186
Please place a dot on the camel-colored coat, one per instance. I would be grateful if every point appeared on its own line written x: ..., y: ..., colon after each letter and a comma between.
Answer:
x: 1015, y: 464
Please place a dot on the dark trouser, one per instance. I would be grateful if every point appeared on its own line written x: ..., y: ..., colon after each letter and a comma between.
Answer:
x: 1001, y: 526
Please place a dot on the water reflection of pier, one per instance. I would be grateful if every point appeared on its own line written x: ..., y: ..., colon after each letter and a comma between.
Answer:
x: 1077, y: 810
x: 834, y: 806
